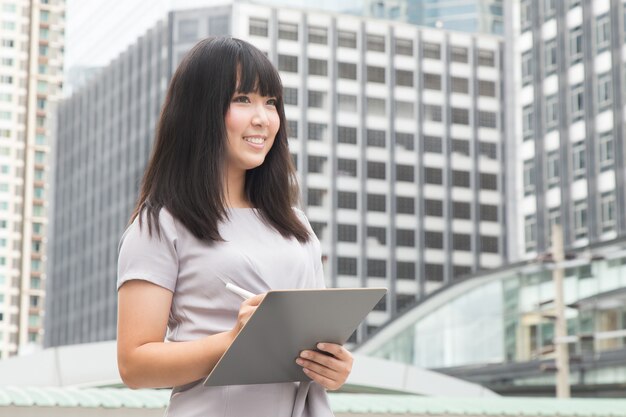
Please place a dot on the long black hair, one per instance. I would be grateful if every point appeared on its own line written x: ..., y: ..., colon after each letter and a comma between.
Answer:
x: 186, y: 171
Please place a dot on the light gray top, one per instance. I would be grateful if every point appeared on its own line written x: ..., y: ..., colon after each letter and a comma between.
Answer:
x: 255, y: 257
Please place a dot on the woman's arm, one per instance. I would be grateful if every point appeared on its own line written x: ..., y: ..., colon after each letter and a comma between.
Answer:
x: 144, y: 359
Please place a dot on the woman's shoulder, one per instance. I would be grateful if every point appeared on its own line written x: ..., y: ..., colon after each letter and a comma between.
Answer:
x: 164, y: 226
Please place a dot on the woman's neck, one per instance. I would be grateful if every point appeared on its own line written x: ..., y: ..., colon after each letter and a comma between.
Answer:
x: 235, y: 190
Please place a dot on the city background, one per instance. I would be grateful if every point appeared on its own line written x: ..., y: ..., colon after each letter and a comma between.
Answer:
x: 467, y: 155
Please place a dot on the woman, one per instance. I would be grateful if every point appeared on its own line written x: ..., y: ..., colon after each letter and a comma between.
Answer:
x: 216, y: 206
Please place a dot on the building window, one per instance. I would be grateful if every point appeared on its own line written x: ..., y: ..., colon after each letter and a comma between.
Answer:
x: 405, y: 270
x: 376, y: 138
x: 432, y: 81
x: 404, y: 47
x: 405, y: 140
x: 404, y: 78
x: 346, y: 266
x: 486, y: 58
x: 288, y: 63
x: 488, y: 150
x: 405, y: 205
x: 318, y: 229
x: 487, y: 119
x: 603, y: 33
x: 576, y: 45
x: 549, y: 8
x: 433, y: 240
x: 347, y: 200
x: 347, y: 70
x: 606, y: 150
x: 489, y: 244
x: 578, y: 105
x: 346, y: 135
x: 460, y: 116
x: 316, y: 164
x: 529, y: 177
x: 376, y: 202
x: 346, y: 167
x: 488, y: 213
x: 552, y: 112
x: 433, y: 176
x: 433, y: 208
x: 525, y: 14
x: 188, y: 30
x: 528, y: 122
x: 290, y: 96
x: 346, y: 39
x: 461, y: 210
x: 346, y: 233
x: 258, y: 27
x: 604, y: 91
x: 459, y: 54
x: 433, y: 272
x: 404, y: 109
x: 292, y: 129
x: 378, y: 233
x: 462, y: 242
x: 550, y: 57
x: 288, y: 31
x: 432, y: 113
x: 530, y: 232
x: 554, y: 218
x: 318, y: 34
x: 527, y: 67
x: 488, y: 181
x: 553, y: 168
x: 347, y: 103
x: 460, y: 146
x: 376, y: 268
x: 405, y: 173
x: 376, y: 170
x: 317, y: 131
x: 376, y: 106
x: 315, y: 197
x: 578, y: 156
x: 405, y: 237
x: 316, y: 99
x: 460, y: 178
x: 459, y: 85
x: 431, y: 50
x: 432, y: 144
x: 486, y: 88
x: 376, y: 43
x: 580, y: 219
x: 375, y: 74
x: 318, y: 67
x: 607, y: 209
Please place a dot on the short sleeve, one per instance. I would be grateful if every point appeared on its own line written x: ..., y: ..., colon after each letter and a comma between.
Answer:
x: 151, y: 258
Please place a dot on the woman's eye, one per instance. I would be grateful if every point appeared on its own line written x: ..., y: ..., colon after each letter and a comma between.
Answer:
x: 241, y: 99
x: 272, y: 102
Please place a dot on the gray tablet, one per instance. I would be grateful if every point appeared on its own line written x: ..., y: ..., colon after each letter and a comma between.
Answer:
x: 285, y: 323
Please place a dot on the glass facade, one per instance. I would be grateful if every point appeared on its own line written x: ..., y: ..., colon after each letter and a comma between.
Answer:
x: 507, y: 316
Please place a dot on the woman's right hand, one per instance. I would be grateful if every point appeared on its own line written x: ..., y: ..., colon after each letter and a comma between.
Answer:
x: 247, y: 308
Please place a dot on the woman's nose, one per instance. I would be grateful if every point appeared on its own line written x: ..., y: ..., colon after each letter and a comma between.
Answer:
x: 261, y: 117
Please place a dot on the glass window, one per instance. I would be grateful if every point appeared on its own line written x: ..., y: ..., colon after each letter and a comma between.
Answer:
x: 346, y: 266
x: 347, y: 70
x: 376, y: 268
x: 486, y: 58
x: 316, y: 99
x: 376, y: 202
x: 603, y: 33
x: 577, y: 98
x: 607, y: 209
x: 318, y: 34
x: 405, y: 140
x: 433, y: 144
x: 316, y: 164
x: 550, y: 57
x: 549, y: 9
x: 604, y: 91
x: 527, y: 67
x: 460, y: 178
x: 405, y: 205
x: 488, y: 213
x: 405, y: 270
x: 346, y: 167
x: 433, y: 207
x: 461, y: 242
x: 347, y: 103
x: 528, y: 122
x: 315, y: 197
x: 404, y: 109
x: 376, y: 170
x: 376, y: 138
x: 288, y: 63
x: 288, y: 31
x: 459, y: 54
x: 431, y: 50
x: 552, y: 112
x: 432, y: 113
x: 318, y: 67
x: 606, y: 150
x: 529, y: 177
x: 578, y: 156
x: 378, y: 233
x: 404, y: 47
x: 488, y: 181
x: 347, y: 200
x: 404, y: 78
x: 405, y: 238
x: 433, y: 240
x: 576, y: 45
x: 487, y: 119
x: 405, y: 173
x: 376, y: 43
x: 459, y: 85
x: 460, y: 116
x: 432, y: 81
x: 486, y: 88
x: 489, y: 244
x: 553, y: 162
x: 346, y: 134
x: 375, y: 74
x: 461, y: 210
x: 346, y: 233
x: 433, y: 176
x: 290, y: 96
x: 376, y: 106
x: 188, y: 30
x: 525, y: 14
x: 346, y: 39
x: 460, y: 146
x: 258, y: 27
x: 580, y: 219
x: 530, y: 232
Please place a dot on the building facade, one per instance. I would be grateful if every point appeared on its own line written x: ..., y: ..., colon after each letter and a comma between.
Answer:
x: 31, y: 63
x: 497, y: 329
x: 396, y: 132
x: 484, y: 16
x: 570, y: 142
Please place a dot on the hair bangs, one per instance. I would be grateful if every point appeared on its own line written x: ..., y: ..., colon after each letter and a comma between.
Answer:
x: 257, y: 74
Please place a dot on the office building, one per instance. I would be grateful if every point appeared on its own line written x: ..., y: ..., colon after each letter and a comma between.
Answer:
x: 570, y: 141
x: 31, y: 62
x: 396, y: 132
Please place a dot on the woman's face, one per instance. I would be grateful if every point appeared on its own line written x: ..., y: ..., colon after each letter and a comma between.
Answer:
x: 252, y: 122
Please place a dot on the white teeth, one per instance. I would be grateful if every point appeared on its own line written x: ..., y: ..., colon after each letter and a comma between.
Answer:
x: 256, y: 140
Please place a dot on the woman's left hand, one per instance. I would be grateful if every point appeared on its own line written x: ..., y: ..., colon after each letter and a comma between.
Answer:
x: 330, y: 372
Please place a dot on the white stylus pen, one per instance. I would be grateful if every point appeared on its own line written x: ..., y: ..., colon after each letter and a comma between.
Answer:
x: 239, y: 291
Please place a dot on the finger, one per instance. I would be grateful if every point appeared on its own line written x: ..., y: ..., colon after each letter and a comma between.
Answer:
x: 256, y: 300
x: 330, y: 373
x: 336, y: 350
x: 322, y: 359
x: 322, y: 380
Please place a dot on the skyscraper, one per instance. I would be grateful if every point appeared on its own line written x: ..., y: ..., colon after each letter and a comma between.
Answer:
x: 31, y: 62
x: 395, y: 130
x: 570, y: 72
